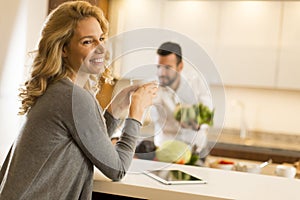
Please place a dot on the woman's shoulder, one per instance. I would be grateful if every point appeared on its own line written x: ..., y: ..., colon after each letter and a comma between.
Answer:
x: 64, y: 87
x: 73, y: 92
x: 64, y: 95
x: 65, y: 92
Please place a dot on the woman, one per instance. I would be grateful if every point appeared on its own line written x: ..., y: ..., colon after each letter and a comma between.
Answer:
x: 66, y: 132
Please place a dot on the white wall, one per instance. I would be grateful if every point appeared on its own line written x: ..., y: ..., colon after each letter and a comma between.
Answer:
x: 276, y: 111
x: 20, y: 22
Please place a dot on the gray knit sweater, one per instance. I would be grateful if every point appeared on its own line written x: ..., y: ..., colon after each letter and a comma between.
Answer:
x: 63, y: 137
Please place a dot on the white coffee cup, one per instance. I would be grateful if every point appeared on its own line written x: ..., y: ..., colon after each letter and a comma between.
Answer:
x: 137, y: 81
x: 285, y: 171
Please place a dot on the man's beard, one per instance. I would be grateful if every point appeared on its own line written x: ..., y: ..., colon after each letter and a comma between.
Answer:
x: 169, y: 81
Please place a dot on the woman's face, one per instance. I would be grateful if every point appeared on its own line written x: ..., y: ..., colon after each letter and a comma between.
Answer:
x: 85, y: 51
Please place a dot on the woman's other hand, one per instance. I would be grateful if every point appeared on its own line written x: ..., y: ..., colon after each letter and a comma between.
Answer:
x: 121, y: 101
x: 141, y: 99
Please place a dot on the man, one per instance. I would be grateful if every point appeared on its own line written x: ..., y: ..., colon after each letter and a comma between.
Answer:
x: 177, y: 89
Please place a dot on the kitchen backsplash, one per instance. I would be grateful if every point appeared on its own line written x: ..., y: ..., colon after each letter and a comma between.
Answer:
x: 265, y: 110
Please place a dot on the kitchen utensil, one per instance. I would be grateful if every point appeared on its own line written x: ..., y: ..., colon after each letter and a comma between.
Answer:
x: 262, y: 165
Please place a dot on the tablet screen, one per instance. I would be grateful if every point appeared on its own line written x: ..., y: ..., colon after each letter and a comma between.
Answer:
x: 174, y: 177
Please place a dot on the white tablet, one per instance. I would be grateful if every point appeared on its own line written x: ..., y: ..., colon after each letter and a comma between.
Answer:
x: 174, y: 177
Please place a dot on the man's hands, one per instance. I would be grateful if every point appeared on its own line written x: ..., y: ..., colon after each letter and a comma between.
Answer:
x: 193, y: 116
x: 191, y: 125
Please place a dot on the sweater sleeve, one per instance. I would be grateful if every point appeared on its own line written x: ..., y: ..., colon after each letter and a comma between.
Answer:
x: 91, y: 136
x: 111, y: 123
x: 5, y: 165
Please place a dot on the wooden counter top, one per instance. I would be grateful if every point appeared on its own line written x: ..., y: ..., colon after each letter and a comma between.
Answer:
x: 260, y: 139
x: 256, y: 146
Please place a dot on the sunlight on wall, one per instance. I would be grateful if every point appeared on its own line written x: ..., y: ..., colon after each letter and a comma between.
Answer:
x: 19, y: 36
x: 11, y: 78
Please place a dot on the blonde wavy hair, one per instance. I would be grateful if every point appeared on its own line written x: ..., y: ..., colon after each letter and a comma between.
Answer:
x: 48, y: 65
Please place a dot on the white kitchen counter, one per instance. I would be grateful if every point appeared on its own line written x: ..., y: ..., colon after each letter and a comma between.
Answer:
x: 221, y: 184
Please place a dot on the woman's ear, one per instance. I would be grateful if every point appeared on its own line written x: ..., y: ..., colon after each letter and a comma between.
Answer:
x: 64, y: 51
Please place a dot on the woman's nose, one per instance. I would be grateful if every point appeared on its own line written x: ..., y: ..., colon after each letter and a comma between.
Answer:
x: 100, y: 48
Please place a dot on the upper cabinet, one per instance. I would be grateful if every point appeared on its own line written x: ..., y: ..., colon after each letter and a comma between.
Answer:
x: 198, y: 20
x: 252, y: 43
x: 289, y: 60
x: 247, y: 43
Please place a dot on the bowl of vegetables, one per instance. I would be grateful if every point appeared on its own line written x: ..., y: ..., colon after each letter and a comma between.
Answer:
x: 193, y: 116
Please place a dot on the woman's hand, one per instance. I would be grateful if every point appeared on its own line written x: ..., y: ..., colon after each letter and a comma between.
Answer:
x: 141, y: 99
x: 121, y: 101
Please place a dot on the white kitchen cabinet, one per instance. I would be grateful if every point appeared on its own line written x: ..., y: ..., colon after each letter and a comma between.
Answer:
x: 252, y: 43
x: 289, y: 60
x: 247, y: 44
x: 130, y: 15
x: 198, y: 20
x: 240, y: 37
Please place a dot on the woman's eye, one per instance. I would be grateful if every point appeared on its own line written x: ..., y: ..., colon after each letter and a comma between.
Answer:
x: 87, y: 42
x: 102, y: 39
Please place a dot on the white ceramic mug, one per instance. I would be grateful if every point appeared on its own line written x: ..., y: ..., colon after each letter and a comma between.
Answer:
x: 141, y: 81
x: 285, y: 171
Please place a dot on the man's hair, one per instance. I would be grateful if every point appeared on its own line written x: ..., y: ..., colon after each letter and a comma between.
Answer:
x: 168, y: 48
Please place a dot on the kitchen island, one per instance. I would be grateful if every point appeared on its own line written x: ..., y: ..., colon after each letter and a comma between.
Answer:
x: 221, y: 184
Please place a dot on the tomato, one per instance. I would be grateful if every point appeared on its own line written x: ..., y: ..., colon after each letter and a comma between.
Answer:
x: 180, y: 162
x: 226, y: 162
